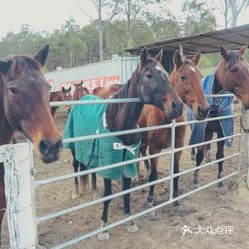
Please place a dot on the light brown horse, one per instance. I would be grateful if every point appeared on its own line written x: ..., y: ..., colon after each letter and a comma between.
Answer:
x: 62, y: 95
x: 232, y: 74
x: 106, y: 92
x: 24, y: 106
x: 186, y: 79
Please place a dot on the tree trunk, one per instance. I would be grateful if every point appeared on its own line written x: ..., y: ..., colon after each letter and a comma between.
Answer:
x: 129, y: 33
x: 100, y: 32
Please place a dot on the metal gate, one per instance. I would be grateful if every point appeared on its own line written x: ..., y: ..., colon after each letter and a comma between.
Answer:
x: 20, y: 183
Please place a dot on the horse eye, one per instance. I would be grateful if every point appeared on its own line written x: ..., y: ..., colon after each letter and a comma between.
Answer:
x: 183, y: 78
x: 234, y: 69
x: 14, y: 90
x: 148, y: 75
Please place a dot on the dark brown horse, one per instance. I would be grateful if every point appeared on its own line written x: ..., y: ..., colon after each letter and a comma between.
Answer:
x: 62, y: 95
x: 186, y: 79
x: 232, y: 74
x: 150, y: 83
x: 24, y: 106
x: 106, y: 92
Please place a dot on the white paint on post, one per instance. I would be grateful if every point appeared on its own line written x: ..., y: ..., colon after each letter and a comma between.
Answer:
x: 21, y: 220
x: 247, y: 112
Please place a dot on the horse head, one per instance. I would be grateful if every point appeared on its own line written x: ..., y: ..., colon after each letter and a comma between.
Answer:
x: 79, y: 91
x: 66, y: 96
x: 232, y: 73
x: 26, y: 102
x: 186, y: 79
x: 154, y: 86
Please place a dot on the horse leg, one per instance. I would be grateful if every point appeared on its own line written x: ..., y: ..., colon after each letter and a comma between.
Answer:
x: 2, y: 197
x: 199, y: 159
x: 75, y: 192
x: 84, y: 180
x: 131, y: 226
x: 219, y: 155
x: 143, y: 149
x: 193, y: 154
x: 104, y: 218
x: 153, y: 176
x: 94, y: 182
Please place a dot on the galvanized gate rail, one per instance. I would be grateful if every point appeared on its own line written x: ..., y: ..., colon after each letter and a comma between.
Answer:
x: 32, y: 242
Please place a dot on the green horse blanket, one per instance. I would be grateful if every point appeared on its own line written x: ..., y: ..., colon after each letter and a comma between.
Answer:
x: 89, y: 120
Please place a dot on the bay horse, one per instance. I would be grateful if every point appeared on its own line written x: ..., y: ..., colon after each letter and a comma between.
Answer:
x: 24, y: 106
x: 231, y: 75
x: 63, y: 95
x: 150, y: 83
x: 186, y: 79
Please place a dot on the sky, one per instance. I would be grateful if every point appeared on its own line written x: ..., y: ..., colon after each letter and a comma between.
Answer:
x: 47, y: 15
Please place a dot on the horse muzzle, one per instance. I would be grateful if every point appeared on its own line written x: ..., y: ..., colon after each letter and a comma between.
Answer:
x: 50, y: 151
x: 202, y: 112
x: 176, y: 110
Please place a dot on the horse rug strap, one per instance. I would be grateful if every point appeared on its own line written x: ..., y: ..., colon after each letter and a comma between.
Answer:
x: 88, y: 120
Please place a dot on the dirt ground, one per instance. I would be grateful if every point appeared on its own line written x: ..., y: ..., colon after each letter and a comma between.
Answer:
x: 207, y: 209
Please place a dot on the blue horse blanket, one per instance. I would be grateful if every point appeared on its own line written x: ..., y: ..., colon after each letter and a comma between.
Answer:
x: 90, y: 120
x: 225, y: 109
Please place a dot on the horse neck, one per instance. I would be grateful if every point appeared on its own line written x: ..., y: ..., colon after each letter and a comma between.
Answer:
x: 217, y: 85
x: 124, y: 116
x: 6, y: 131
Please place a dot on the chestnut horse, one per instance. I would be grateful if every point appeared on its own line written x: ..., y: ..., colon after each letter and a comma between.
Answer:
x: 24, y: 106
x: 186, y: 79
x: 150, y: 83
x: 106, y: 92
x: 232, y: 75
x: 62, y: 95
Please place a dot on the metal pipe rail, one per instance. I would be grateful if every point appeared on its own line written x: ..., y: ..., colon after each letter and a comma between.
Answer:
x: 134, y: 216
x: 86, y: 172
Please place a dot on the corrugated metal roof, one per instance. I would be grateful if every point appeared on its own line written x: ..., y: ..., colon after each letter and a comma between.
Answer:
x: 210, y: 42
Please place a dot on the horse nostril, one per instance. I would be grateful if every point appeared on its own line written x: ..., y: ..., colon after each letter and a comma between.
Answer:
x: 177, y: 106
x: 45, y: 147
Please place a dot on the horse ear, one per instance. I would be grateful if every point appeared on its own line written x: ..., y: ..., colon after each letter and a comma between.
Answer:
x: 243, y: 50
x: 81, y: 83
x: 144, y: 56
x: 69, y: 89
x: 159, y: 56
x: 197, y: 57
x: 42, y: 55
x: 223, y: 52
x: 4, y: 66
x: 177, y: 59
x: 63, y: 89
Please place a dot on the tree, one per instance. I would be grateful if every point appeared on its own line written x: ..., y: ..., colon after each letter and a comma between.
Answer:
x: 199, y: 18
x: 231, y: 9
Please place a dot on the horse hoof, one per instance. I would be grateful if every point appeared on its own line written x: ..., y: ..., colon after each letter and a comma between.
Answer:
x: 222, y: 189
x: 195, y: 185
x: 75, y: 195
x: 151, y: 214
x: 179, y: 210
x: 132, y: 228
x: 104, y: 236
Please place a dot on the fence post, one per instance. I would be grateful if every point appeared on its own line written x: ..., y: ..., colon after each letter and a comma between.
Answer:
x: 18, y: 191
x: 247, y: 116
